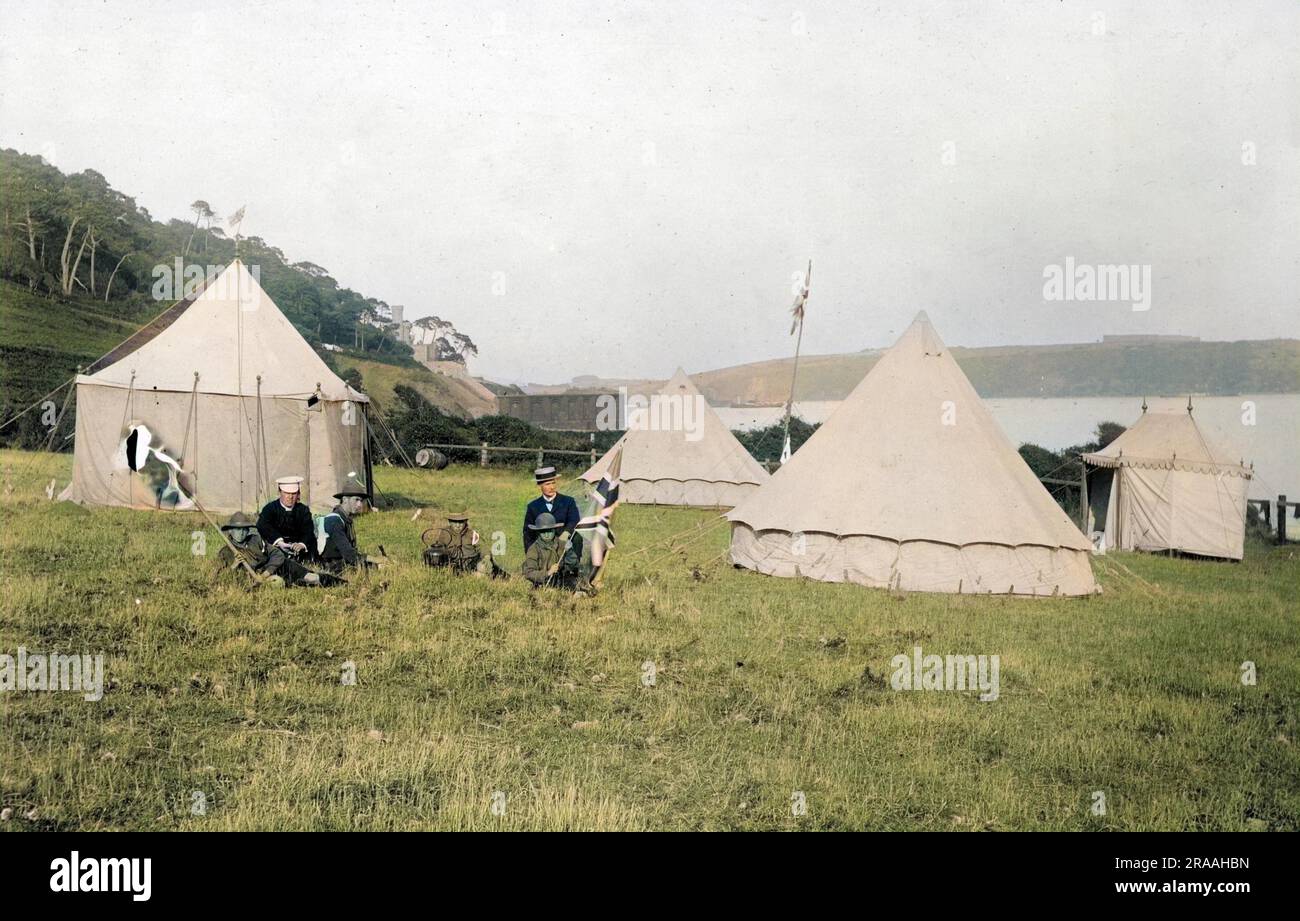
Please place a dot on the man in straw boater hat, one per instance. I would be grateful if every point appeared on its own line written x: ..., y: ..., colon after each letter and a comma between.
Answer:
x: 562, y: 508
x: 551, y: 560
x: 272, y: 564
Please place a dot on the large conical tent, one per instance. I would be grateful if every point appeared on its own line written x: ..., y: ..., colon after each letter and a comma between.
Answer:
x: 911, y: 484
x: 223, y: 385
x: 1163, y: 485
x: 677, y: 451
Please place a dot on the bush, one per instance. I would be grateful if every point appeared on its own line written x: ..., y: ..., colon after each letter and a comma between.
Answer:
x: 765, y: 444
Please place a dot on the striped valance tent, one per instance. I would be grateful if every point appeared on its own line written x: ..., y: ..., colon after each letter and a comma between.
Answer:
x: 911, y: 484
x: 211, y: 402
x: 676, y: 451
x: 1162, y: 485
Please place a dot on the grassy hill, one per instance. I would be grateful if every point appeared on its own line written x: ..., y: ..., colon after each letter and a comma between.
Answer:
x: 763, y: 688
x: 44, y: 339
x: 1086, y: 369
x: 447, y: 393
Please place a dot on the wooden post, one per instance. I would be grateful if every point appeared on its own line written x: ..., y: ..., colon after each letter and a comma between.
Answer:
x: 1281, y: 519
x: 593, y: 457
x: 1083, y: 497
x: 540, y: 452
x: 368, y: 455
x: 482, y: 455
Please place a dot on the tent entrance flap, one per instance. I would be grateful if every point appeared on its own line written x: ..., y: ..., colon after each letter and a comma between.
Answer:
x: 1100, y: 481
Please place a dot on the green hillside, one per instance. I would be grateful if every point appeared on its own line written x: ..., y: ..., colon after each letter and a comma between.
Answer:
x: 43, y: 340
x: 1085, y: 369
x: 379, y: 380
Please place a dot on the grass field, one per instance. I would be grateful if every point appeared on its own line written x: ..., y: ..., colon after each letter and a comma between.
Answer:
x: 764, y: 688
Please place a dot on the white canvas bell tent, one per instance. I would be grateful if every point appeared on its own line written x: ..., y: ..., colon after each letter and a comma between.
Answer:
x: 222, y: 395
x: 1162, y: 485
x: 911, y: 484
x: 677, y: 451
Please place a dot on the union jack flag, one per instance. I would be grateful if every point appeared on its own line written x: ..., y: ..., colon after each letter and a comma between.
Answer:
x: 595, y: 526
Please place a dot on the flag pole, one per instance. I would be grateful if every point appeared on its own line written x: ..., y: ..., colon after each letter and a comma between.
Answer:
x: 800, y: 301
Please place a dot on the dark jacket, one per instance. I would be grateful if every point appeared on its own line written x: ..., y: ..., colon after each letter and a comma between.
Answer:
x: 562, y: 507
x: 293, y: 525
x: 341, y: 539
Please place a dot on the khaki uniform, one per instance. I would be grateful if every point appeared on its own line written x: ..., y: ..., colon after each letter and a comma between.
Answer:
x: 543, y: 554
x: 268, y: 561
x: 457, y: 547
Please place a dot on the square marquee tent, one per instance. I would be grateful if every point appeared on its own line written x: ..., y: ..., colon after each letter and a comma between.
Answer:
x: 1163, y: 486
x: 213, y: 401
x: 911, y: 484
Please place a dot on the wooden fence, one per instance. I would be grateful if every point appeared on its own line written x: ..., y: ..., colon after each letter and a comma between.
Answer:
x: 485, y: 450
x: 1266, y: 507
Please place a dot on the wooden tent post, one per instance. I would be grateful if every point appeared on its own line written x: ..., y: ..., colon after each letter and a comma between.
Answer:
x: 1083, y: 496
x: 367, y: 455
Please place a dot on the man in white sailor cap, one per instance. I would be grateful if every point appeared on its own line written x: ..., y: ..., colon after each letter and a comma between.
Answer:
x: 285, y: 522
x: 551, y: 501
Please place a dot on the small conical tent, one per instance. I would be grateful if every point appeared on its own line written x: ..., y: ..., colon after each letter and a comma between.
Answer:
x: 677, y: 451
x: 223, y: 385
x: 1163, y: 485
x: 911, y: 484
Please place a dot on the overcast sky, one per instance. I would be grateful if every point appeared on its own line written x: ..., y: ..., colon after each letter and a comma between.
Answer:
x: 644, y: 179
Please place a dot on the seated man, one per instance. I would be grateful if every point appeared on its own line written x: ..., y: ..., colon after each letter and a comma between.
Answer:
x: 336, y: 537
x: 286, y: 523
x: 551, y: 502
x: 549, y: 561
x: 455, y: 546
x: 276, y: 565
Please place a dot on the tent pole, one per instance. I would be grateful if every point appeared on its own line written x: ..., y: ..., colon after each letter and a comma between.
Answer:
x: 794, y: 376
x: 367, y: 454
x: 800, y: 301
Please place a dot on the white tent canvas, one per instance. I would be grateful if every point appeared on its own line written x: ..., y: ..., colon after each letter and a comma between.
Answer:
x: 911, y: 484
x: 1163, y: 486
x: 230, y: 394
x: 677, y: 451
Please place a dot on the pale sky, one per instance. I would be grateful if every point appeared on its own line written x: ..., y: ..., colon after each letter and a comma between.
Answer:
x: 645, y: 178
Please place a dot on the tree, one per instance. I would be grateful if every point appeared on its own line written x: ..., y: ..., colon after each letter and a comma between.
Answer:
x: 1108, y: 432
x: 449, y: 343
x: 109, y: 287
x: 202, y: 212
x: 67, y: 266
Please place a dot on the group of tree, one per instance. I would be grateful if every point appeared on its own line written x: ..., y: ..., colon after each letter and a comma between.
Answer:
x: 73, y: 236
x: 1067, y: 465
